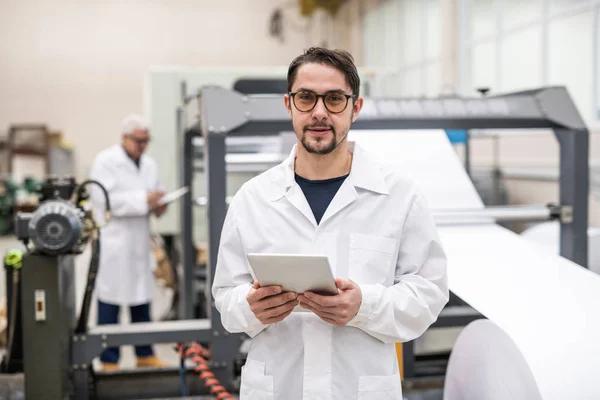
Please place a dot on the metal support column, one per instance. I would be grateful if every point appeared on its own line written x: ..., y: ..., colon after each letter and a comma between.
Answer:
x: 574, y: 191
x: 48, y: 312
x: 83, y: 382
x: 224, y: 345
x: 408, y: 356
x: 186, y: 286
x: 468, y: 154
x: 216, y: 178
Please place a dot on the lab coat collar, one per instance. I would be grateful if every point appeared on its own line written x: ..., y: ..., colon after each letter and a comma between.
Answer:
x: 122, y: 158
x: 365, y: 173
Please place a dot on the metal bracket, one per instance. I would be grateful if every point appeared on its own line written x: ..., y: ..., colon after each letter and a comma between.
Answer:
x: 562, y: 213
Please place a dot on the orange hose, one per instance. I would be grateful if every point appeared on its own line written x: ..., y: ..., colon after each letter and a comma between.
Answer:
x: 198, y: 355
x: 206, y: 374
x: 202, y: 367
x: 216, y: 389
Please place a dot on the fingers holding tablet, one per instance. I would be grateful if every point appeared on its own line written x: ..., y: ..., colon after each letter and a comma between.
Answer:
x: 269, y: 304
x: 339, y: 309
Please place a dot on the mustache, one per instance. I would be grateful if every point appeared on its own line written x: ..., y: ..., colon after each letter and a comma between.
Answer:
x: 314, y: 126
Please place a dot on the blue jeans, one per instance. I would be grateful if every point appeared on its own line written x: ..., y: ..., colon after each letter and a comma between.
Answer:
x: 109, y: 314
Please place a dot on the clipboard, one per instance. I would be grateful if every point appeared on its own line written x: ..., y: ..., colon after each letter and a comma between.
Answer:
x: 172, y: 196
x: 297, y: 273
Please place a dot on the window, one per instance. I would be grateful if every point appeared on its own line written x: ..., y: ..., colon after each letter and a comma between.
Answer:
x: 570, y: 59
x: 557, y: 6
x: 483, y: 66
x: 596, y: 61
x: 521, y: 60
x: 482, y: 18
x: 513, y: 45
x: 517, y: 13
x: 433, y: 82
x: 408, y: 34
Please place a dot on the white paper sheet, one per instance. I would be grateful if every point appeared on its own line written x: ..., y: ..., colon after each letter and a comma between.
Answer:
x: 548, y: 234
x: 426, y: 156
x: 547, y: 305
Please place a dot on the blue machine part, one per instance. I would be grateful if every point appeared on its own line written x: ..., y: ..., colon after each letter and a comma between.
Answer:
x: 457, y: 136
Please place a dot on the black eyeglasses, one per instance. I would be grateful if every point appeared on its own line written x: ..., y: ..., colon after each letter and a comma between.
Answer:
x: 139, y: 141
x: 335, y: 102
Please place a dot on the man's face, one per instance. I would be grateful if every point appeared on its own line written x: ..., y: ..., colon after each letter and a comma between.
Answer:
x: 135, y: 144
x: 322, y: 128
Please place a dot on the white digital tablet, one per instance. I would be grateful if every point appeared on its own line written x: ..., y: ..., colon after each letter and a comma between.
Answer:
x: 172, y: 196
x: 297, y: 273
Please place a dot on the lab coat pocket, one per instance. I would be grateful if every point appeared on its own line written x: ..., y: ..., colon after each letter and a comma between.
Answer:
x: 380, y: 387
x: 255, y: 384
x: 371, y: 258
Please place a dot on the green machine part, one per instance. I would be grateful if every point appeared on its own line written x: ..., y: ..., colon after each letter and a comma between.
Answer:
x: 8, y: 192
x: 14, y: 258
x: 31, y: 185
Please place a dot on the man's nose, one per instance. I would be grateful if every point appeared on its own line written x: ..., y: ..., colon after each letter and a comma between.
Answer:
x: 320, y: 111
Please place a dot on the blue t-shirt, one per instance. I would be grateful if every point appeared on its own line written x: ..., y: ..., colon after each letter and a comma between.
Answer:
x: 319, y: 193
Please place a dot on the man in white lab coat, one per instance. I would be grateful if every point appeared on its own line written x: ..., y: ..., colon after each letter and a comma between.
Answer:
x: 132, y: 181
x: 329, y: 197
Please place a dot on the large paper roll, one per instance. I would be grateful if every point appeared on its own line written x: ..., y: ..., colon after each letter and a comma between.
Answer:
x: 486, y: 364
x: 548, y: 306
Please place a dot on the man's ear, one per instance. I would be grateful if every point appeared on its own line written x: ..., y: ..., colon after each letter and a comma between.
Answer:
x: 356, y: 107
x: 288, y: 103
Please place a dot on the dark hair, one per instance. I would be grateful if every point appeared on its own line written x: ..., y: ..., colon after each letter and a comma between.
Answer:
x: 339, y: 59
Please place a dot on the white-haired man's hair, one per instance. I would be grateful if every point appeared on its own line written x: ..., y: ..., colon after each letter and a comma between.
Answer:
x: 132, y: 123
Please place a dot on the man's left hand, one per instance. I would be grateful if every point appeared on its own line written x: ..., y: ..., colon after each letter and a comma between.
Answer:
x: 339, y: 309
x: 160, y: 210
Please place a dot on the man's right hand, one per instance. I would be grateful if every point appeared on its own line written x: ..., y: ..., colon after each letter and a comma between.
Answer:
x: 153, y: 197
x: 269, y: 305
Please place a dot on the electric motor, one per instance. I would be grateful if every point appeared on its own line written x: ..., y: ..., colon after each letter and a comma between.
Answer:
x: 63, y: 223
x: 55, y: 227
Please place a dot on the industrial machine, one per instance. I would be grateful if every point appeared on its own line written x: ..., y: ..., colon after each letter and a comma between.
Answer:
x: 41, y: 295
x: 220, y: 116
x: 48, y: 336
x: 59, y: 351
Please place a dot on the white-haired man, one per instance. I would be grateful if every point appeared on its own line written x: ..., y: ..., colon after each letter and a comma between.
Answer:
x: 125, y: 275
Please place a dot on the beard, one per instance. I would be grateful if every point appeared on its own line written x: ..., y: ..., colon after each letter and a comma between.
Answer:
x: 319, y: 145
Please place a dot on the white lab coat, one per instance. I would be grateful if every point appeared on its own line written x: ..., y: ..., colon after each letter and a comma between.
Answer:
x: 125, y: 275
x: 378, y: 232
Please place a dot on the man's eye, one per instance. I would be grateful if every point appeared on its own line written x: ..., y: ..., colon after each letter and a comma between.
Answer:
x: 335, y: 98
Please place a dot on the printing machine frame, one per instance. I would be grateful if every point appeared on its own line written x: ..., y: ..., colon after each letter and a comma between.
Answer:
x: 214, y: 113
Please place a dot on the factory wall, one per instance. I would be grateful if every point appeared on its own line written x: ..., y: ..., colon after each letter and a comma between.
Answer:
x: 79, y: 67
x: 457, y: 46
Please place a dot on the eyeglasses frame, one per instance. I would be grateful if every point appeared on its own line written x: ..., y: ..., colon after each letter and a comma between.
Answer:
x: 322, y: 96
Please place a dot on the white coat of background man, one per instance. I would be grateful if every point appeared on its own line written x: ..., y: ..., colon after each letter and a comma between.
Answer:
x: 329, y: 197
x: 125, y: 273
